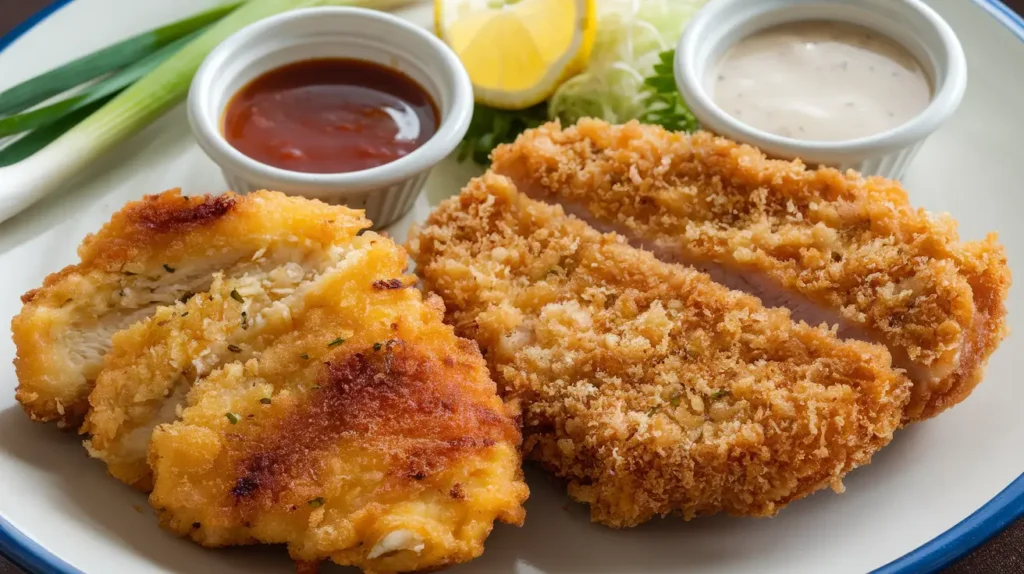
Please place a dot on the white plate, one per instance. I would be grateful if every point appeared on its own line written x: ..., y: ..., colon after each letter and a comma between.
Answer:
x: 60, y: 512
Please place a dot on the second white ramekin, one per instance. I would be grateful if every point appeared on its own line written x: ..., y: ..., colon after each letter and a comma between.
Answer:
x: 386, y: 192
x: 721, y: 23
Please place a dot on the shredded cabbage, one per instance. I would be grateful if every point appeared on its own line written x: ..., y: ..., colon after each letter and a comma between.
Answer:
x: 630, y: 36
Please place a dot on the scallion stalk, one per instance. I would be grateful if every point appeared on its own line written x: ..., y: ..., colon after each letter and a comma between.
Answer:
x: 102, y: 90
x: 59, y: 80
x: 29, y: 180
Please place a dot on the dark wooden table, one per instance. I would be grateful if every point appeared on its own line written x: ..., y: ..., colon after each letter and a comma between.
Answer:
x: 1004, y: 554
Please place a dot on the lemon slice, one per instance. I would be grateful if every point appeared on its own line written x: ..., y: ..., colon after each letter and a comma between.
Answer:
x: 517, y: 52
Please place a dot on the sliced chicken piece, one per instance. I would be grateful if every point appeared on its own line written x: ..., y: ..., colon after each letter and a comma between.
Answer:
x: 834, y: 248
x: 153, y: 363
x: 647, y: 386
x: 365, y: 432
x: 157, y: 252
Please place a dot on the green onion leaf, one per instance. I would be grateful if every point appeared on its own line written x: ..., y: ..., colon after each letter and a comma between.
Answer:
x: 30, y: 143
x: 56, y: 81
x: 101, y: 91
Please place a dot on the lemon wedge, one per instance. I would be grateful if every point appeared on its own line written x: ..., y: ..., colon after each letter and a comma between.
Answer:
x: 517, y: 52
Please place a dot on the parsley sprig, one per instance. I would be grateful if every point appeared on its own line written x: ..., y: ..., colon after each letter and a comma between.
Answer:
x: 666, y: 107
x: 491, y: 127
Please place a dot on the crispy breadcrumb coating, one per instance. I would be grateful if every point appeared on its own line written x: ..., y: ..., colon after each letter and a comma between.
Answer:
x: 831, y: 246
x: 648, y: 387
x: 153, y: 253
x: 366, y: 433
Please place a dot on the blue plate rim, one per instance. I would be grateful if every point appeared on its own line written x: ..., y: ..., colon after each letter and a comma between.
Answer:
x: 992, y: 518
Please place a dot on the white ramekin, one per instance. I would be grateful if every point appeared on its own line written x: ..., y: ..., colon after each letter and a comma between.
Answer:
x: 386, y: 192
x: 910, y: 22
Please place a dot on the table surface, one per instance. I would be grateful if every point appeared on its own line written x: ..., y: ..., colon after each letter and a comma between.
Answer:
x: 1002, y: 554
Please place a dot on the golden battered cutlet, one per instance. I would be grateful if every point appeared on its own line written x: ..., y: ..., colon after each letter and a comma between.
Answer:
x: 648, y: 387
x: 366, y: 433
x: 157, y: 252
x: 832, y: 247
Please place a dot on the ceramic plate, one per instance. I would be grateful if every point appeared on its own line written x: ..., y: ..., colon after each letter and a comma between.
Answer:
x: 937, y: 491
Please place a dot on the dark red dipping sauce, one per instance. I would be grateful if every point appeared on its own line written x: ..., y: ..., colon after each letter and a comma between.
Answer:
x: 330, y: 116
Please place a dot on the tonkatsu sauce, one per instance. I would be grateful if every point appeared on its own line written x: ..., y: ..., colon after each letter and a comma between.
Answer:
x: 330, y: 116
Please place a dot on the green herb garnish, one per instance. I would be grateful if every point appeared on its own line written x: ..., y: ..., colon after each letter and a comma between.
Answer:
x: 236, y: 296
x: 719, y: 394
x: 335, y: 342
x: 316, y: 502
x: 674, y: 400
x: 234, y: 348
x: 377, y: 346
x: 265, y: 401
x: 666, y: 107
x: 305, y: 356
x: 232, y: 417
x: 491, y: 127
x: 245, y: 320
x: 168, y: 268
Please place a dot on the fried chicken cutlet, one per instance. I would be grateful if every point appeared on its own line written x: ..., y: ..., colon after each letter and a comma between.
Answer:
x: 832, y: 247
x: 152, y: 364
x: 647, y: 386
x: 156, y: 252
x: 366, y: 433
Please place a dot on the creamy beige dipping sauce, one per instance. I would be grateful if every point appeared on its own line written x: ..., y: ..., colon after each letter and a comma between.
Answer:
x: 820, y: 81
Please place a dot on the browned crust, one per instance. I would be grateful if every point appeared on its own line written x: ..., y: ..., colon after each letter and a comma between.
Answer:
x: 358, y: 420
x: 849, y: 243
x: 398, y: 395
x: 650, y: 388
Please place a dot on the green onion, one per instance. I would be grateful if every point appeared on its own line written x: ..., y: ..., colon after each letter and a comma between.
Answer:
x: 232, y: 417
x: 102, y: 90
x: 136, y: 107
x: 45, y: 86
x: 29, y: 144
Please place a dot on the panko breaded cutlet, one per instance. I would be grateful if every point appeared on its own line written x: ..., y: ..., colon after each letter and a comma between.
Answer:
x: 832, y: 247
x: 153, y: 253
x: 366, y: 433
x: 648, y: 387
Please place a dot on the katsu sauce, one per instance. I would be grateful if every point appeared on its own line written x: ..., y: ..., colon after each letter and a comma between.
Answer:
x: 330, y: 116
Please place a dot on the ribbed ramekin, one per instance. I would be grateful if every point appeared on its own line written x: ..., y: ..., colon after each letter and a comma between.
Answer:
x: 721, y: 23
x: 386, y: 192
